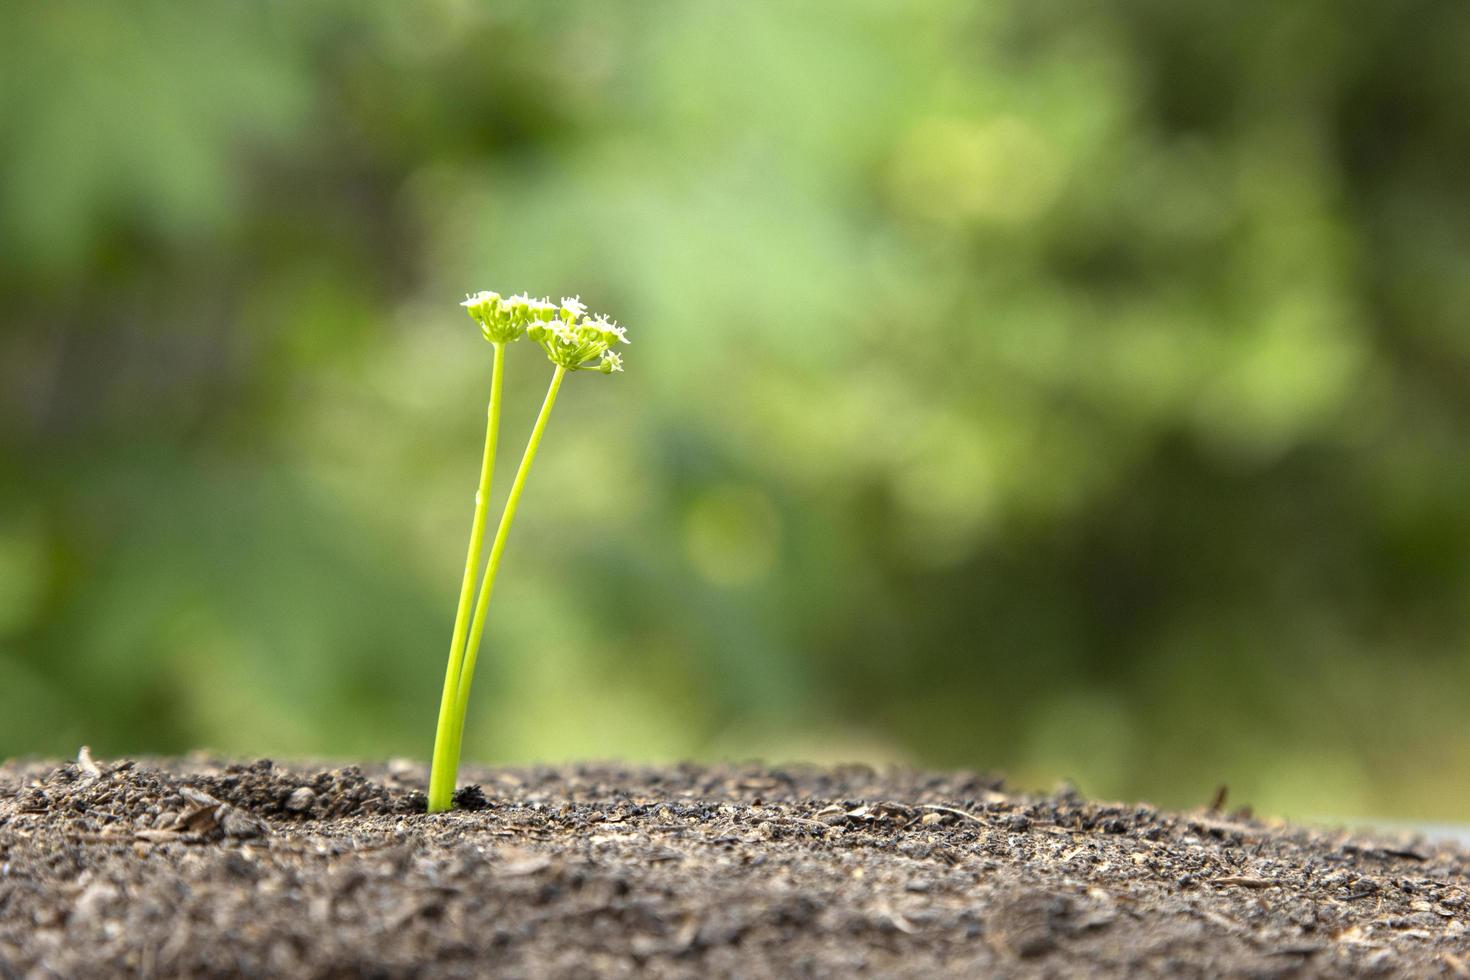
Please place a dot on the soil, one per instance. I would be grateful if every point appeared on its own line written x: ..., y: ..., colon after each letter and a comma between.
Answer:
x: 197, y: 868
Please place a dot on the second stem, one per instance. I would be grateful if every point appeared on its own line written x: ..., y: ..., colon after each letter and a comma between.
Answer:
x: 487, y: 584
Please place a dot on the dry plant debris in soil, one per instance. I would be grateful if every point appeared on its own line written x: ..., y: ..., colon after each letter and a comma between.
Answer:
x: 198, y: 868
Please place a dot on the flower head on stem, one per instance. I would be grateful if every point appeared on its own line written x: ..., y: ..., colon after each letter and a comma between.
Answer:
x: 578, y: 341
x: 502, y: 320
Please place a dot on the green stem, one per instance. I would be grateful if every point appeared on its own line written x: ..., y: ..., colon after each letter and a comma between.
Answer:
x: 487, y: 585
x: 446, y: 743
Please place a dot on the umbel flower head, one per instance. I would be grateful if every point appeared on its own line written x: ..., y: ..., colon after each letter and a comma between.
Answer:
x: 503, y: 320
x: 577, y: 341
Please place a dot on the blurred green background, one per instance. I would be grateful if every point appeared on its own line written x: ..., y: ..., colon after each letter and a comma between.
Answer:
x: 1077, y: 389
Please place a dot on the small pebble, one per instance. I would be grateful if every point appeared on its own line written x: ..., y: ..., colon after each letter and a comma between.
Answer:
x: 238, y: 824
x: 301, y: 799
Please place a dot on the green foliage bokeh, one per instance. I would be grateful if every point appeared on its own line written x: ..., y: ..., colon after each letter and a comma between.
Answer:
x: 1073, y: 389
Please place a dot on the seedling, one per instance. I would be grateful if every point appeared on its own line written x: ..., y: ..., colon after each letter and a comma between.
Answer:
x: 573, y: 341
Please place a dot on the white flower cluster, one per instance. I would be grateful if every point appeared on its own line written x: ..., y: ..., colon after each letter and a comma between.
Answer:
x: 502, y: 319
x: 572, y: 338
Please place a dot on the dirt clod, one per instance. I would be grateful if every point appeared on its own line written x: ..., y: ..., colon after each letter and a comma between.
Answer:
x: 197, y: 868
x: 470, y: 798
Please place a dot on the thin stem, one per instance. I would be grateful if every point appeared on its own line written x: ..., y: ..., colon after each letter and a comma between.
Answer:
x: 487, y: 585
x: 446, y: 745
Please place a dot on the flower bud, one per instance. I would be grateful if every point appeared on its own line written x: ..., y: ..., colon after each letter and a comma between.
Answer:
x: 482, y: 306
x: 519, y: 307
x: 606, y: 331
x: 572, y: 308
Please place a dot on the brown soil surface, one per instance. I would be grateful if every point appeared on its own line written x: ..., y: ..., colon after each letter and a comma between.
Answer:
x: 191, y: 868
